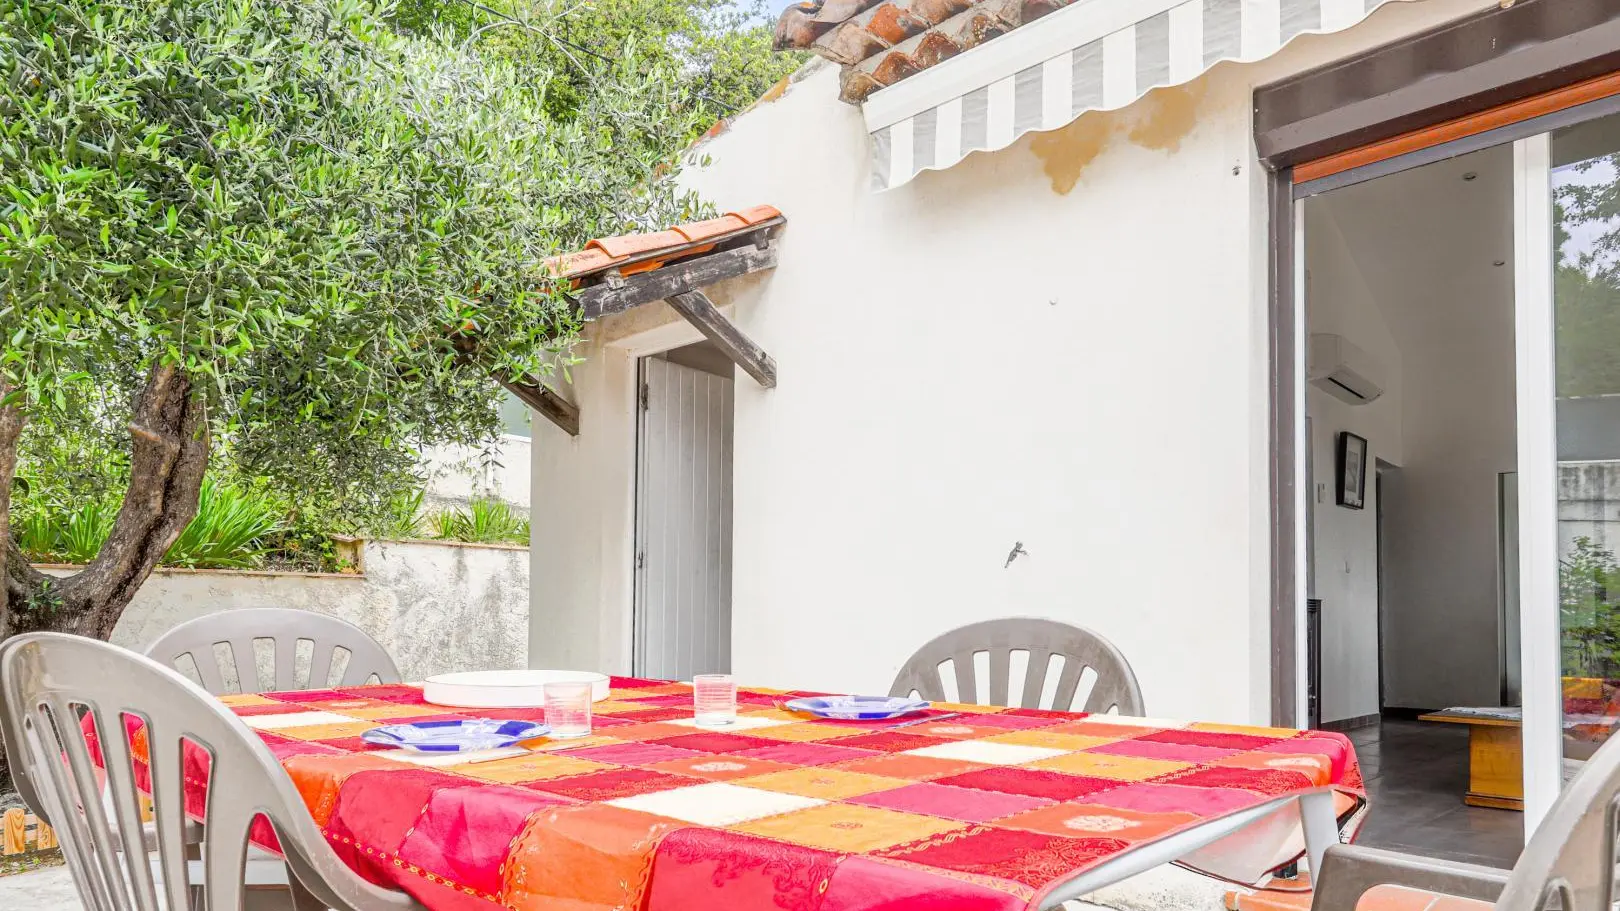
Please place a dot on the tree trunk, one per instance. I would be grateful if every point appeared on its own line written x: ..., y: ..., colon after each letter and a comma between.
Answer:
x: 169, y: 445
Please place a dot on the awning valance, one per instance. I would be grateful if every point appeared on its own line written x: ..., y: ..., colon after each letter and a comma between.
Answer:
x: 1089, y: 55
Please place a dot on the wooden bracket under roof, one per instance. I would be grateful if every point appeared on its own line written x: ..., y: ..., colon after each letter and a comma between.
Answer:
x: 615, y: 274
x: 558, y: 410
x: 702, y: 313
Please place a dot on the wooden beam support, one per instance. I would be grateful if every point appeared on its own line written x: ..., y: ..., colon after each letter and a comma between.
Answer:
x: 611, y: 297
x: 557, y: 409
x: 702, y: 313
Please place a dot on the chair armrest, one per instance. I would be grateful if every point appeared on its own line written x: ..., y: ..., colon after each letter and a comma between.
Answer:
x: 1349, y: 871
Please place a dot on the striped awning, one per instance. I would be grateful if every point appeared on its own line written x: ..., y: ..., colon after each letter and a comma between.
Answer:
x: 1091, y: 55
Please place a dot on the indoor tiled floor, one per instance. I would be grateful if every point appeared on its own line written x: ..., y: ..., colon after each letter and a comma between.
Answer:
x: 1416, y: 773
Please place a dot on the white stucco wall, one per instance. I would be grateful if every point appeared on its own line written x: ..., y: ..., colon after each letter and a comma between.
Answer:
x: 456, y: 474
x: 435, y: 607
x: 1060, y: 344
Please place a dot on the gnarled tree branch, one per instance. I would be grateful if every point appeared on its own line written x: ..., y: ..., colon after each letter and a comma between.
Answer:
x: 169, y: 446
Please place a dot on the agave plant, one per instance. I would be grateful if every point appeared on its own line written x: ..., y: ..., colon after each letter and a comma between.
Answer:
x: 484, y: 521
x: 402, y: 519
x: 81, y: 535
x: 64, y: 537
x: 228, y: 530
x: 35, y: 533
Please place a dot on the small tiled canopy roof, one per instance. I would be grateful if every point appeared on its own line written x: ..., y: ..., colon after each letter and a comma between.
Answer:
x: 632, y: 254
x: 614, y: 274
x: 880, y: 42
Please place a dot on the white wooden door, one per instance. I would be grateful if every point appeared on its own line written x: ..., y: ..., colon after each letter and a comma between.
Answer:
x: 683, y: 522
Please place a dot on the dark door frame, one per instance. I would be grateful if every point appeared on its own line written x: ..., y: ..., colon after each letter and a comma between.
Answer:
x: 1455, y: 71
x: 1382, y: 468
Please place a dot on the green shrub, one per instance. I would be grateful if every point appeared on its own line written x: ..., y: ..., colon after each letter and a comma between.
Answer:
x: 401, y: 517
x: 484, y: 521
x: 229, y: 529
x: 35, y: 534
x: 52, y: 536
x: 84, y: 532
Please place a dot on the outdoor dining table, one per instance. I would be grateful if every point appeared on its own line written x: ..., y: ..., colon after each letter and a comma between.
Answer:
x: 992, y: 809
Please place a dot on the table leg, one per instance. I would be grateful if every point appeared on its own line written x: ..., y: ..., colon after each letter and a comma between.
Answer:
x: 1321, y: 826
x: 1495, y: 767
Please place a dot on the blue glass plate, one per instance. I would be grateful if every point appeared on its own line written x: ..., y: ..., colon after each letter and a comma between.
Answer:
x: 857, y: 708
x: 455, y: 736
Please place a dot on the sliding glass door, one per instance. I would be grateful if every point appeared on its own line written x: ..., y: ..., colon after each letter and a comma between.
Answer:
x: 1567, y: 249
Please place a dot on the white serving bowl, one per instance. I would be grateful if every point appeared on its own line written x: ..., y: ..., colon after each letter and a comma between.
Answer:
x: 505, y: 689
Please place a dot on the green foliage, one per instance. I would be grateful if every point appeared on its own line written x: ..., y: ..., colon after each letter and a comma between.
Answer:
x: 75, y: 457
x: 1589, y: 607
x: 36, y: 534
x: 337, y: 231
x: 1587, y: 279
x: 485, y: 521
x: 719, y: 50
x: 230, y: 529
x: 401, y: 519
x: 66, y: 537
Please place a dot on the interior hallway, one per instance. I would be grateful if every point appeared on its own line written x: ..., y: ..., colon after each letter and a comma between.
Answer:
x: 1416, y: 773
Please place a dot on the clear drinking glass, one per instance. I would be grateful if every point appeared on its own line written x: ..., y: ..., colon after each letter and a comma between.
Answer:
x: 714, y: 699
x: 568, y: 709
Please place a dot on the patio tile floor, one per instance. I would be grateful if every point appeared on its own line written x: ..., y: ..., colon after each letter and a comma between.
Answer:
x: 50, y: 889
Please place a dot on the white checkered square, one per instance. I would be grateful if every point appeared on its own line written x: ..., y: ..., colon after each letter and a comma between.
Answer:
x: 716, y: 804
x: 986, y: 753
x: 294, y: 720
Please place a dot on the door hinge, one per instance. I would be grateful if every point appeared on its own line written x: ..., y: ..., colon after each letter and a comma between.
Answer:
x: 645, y: 396
x: 641, y: 560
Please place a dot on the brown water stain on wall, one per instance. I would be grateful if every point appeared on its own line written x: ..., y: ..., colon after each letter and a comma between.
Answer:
x: 1171, y: 114
x: 1066, y: 151
x: 1159, y: 121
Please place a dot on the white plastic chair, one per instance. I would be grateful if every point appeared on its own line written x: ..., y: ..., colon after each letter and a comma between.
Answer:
x: 1569, y: 863
x: 238, y: 630
x: 49, y: 682
x: 1115, y: 687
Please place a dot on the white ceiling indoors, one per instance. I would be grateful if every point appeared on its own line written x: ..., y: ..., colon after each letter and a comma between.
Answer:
x: 1427, y: 242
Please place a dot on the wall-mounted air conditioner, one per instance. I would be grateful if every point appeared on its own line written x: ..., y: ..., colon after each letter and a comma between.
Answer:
x: 1344, y: 371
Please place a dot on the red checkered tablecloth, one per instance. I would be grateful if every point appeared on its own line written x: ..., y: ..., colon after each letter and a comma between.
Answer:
x: 986, y: 810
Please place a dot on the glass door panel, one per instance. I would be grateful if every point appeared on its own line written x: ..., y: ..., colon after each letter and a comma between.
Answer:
x: 1585, y: 181
x: 1567, y: 251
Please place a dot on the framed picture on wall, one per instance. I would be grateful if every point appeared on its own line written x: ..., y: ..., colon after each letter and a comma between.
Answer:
x: 1352, y: 474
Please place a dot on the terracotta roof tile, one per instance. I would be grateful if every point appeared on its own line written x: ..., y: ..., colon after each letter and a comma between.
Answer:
x: 627, y: 245
x: 700, y: 230
x: 633, y: 253
x: 587, y: 260
x: 880, y: 42
x: 758, y: 214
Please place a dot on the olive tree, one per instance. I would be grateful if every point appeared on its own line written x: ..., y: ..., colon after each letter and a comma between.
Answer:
x: 283, y: 228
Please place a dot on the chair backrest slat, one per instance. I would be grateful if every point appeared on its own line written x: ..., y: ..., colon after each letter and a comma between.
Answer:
x: 167, y: 771
x: 1572, y: 856
x: 101, y: 837
x: 1035, y: 675
x: 59, y: 691
x: 1115, y: 688
x: 243, y: 655
x: 1000, y: 675
x: 239, y: 630
x: 66, y: 792
x: 320, y: 664
x: 125, y: 800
